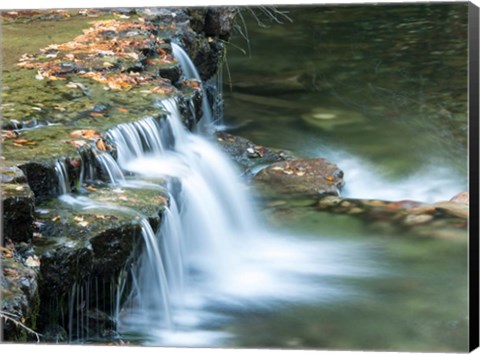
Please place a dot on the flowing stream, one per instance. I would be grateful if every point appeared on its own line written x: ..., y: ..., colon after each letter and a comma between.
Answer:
x: 227, y: 270
x: 217, y: 256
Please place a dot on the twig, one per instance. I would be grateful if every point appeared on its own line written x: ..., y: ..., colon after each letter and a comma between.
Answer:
x: 8, y: 317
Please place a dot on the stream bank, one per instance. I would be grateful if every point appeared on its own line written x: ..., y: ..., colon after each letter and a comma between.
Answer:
x: 61, y: 264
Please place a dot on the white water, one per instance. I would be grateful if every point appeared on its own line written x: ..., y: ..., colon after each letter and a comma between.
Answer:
x: 63, y: 185
x: 212, y: 256
x: 215, y: 253
x: 430, y: 184
x: 206, y: 124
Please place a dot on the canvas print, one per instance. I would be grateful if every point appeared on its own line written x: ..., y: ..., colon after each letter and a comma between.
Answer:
x: 289, y: 177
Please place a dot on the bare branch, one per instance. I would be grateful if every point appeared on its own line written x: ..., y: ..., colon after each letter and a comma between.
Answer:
x: 10, y: 317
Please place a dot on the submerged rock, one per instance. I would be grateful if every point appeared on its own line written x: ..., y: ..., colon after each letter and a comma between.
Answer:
x: 330, y: 119
x: 442, y: 220
x: 302, y: 177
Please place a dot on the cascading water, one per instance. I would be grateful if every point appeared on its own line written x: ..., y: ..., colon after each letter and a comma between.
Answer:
x: 190, y: 71
x: 63, y: 185
x: 212, y: 247
x: 211, y: 254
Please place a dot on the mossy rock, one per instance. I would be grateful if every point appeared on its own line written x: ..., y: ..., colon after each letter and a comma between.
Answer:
x: 246, y: 154
x: 20, y: 297
x: 301, y: 177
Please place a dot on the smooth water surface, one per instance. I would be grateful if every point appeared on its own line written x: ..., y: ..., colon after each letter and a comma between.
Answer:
x: 383, y: 87
x: 386, y: 87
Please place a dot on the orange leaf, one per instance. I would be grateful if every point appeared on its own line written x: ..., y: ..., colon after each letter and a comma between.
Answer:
x: 122, y: 110
x: 90, y: 188
x: 86, y: 134
x: 101, y: 145
x: 96, y: 114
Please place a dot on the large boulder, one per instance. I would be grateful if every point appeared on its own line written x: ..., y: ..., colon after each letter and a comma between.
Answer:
x: 302, y: 177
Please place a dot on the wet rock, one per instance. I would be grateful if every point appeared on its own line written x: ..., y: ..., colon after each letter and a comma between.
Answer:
x: 248, y: 155
x: 417, y: 219
x: 18, y: 205
x: 80, y: 248
x: 12, y: 175
x: 99, y: 325
x: 453, y: 208
x: 443, y: 220
x: 77, y: 248
x: 54, y: 333
x: 41, y: 177
x: 170, y: 72
x: 20, y: 298
x: 219, y: 21
x: 302, y: 177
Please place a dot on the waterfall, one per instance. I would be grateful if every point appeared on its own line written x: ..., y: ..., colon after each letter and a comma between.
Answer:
x: 206, y: 124
x: 211, y: 247
x: 63, y: 184
x: 211, y: 251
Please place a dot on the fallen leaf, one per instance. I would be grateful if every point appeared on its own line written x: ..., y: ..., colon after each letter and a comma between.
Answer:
x: 330, y: 178
x: 96, y: 114
x: 56, y: 218
x: 78, y: 218
x: 5, y: 250
x: 9, y: 134
x: 85, y: 133
x: 90, y: 188
x: 260, y: 150
x: 101, y: 145
x: 122, y: 110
